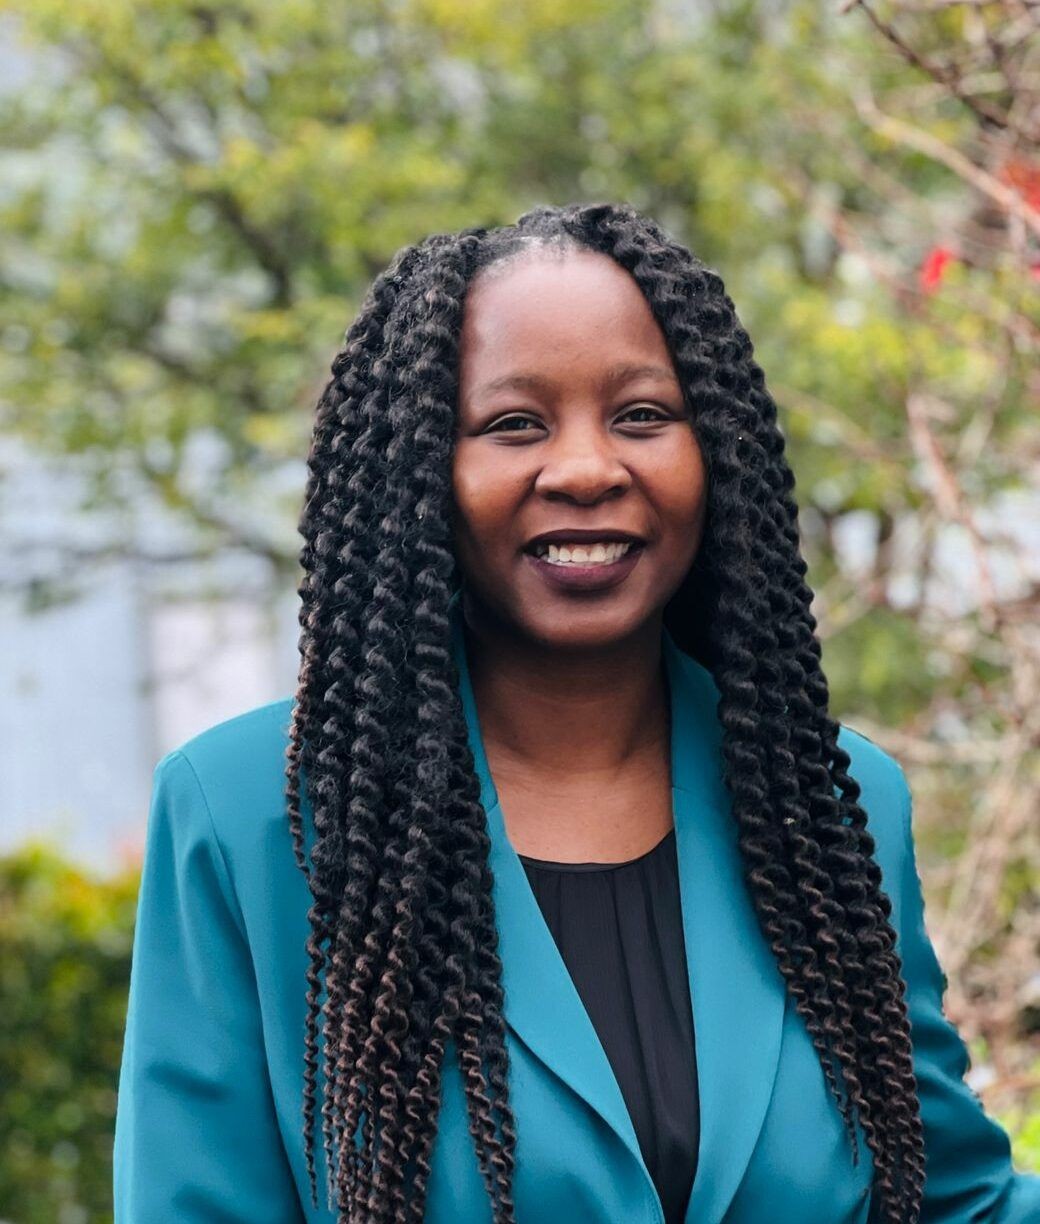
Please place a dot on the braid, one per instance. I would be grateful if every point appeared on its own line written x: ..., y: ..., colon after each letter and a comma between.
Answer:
x: 403, y: 931
x: 335, y: 427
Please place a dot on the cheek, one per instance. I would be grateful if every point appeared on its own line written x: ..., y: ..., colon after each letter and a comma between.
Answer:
x: 468, y: 493
x: 483, y: 498
x: 680, y: 485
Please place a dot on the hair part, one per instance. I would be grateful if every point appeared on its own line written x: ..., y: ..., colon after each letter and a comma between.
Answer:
x: 403, y: 960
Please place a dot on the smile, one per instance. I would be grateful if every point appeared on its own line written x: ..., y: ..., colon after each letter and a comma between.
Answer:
x: 585, y: 567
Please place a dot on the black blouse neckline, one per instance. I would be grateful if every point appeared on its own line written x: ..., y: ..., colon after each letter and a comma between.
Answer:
x: 553, y: 865
x: 619, y: 931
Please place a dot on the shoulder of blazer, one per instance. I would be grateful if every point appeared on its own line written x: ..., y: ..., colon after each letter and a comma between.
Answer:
x: 245, y: 739
x: 869, y: 758
x: 884, y: 791
x: 239, y: 765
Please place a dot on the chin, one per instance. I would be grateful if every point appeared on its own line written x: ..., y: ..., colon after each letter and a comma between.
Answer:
x: 577, y: 626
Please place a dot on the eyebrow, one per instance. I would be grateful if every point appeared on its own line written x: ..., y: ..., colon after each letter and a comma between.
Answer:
x: 614, y: 376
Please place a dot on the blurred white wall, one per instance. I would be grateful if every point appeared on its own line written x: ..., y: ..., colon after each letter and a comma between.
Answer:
x: 95, y: 690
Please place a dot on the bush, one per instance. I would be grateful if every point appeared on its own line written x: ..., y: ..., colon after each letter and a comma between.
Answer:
x: 65, y: 945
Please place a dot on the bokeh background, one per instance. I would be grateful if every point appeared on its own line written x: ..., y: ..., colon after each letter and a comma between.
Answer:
x: 194, y: 196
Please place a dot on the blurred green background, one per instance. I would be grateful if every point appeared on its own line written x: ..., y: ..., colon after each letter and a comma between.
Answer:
x: 194, y: 197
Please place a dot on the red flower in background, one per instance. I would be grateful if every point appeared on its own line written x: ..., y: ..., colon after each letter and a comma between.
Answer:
x: 933, y: 267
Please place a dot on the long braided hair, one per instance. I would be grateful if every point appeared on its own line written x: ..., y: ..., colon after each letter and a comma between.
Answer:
x: 403, y: 943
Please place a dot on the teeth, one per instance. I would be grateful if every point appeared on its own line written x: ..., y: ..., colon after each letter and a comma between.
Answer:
x: 584, y: 554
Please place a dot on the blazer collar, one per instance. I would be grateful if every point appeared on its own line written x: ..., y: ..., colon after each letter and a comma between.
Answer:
x: 736, y: 990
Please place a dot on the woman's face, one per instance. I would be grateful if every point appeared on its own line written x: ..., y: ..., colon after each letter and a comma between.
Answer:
x: 571, y: 420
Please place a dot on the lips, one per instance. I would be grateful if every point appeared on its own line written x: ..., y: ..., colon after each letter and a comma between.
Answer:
x: 585, y: 577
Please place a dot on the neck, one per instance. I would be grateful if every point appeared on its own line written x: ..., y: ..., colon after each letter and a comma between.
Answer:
x: 575, y: 720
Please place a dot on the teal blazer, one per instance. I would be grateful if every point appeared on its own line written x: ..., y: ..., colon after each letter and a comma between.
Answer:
x: 209, y: 1125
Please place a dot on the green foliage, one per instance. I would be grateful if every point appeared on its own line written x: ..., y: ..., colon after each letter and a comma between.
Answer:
x: 65, y: 944
x: 878, y: 662
x: 202, y: 194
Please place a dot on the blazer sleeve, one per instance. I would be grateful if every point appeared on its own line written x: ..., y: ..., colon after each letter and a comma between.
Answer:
x: 195, y: 1137
x: 968, y: 1169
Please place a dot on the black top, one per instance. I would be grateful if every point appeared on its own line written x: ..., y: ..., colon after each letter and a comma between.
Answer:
x: 619, y: 930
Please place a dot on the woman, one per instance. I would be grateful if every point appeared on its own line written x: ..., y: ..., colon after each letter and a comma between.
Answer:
x: 601, y: 916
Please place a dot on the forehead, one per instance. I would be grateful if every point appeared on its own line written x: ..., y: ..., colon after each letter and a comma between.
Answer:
x: 551, y: 308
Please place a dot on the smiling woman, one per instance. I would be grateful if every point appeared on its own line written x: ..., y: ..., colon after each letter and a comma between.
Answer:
x: 555, y: 891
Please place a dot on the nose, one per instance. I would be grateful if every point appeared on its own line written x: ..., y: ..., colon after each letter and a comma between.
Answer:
x: 582, y: 463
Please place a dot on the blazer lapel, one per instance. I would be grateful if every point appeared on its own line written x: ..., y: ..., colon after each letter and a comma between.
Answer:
x: 737, y: 993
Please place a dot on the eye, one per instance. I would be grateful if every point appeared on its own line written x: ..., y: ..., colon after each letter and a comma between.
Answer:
x: 502, y: 424
x: 661, y: 413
